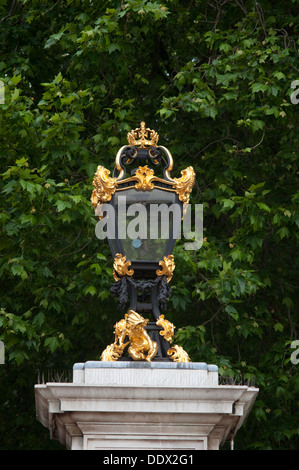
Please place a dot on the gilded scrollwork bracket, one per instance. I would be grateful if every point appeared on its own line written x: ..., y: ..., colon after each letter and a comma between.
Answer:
x: 167, y: 267
x: 121, y: 267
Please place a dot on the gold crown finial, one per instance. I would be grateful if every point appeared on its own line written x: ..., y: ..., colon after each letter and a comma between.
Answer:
x: 143, y: 137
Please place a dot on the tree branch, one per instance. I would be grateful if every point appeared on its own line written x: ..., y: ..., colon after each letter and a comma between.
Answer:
x: 12, y: 7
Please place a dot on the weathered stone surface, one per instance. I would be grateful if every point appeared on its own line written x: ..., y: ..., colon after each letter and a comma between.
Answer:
x: 131, y: 405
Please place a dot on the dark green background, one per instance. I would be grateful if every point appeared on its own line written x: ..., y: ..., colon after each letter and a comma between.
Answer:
x: 214, y: 79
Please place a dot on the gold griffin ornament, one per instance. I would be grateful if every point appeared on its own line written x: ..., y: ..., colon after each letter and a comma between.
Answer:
x: 131, y: 331
x: 114, y: 351
x: 141, y: 346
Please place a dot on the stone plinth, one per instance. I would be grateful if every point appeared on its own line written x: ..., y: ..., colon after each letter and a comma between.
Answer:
x: 137, y: 405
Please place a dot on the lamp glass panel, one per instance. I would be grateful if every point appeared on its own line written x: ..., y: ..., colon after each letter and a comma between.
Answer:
x: 147, y: 223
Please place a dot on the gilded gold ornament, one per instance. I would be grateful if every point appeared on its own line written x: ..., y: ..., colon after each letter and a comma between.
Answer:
x: 168, y: 328
x: 167, y: 267
x: 104, y: 185
x: 183, y: 186
x: 141, y: 347
x: 114, y: 351
x: 178, y: 354
x: 143, y: 137
x: 144, y: 177
x: 131, y: 332
x: 121, y: 267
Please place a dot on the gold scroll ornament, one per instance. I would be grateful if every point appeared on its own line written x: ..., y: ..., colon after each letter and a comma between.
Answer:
x: 105, y: 186
x: 167, y: 267
x: 168, y: 328
x: 183, y: 186
x: 144, y: 177
x: 178, y: 354
x: 132, y: 327
x: 121, y: 267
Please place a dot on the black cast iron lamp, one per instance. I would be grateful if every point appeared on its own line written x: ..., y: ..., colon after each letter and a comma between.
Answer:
x: 142, y: 244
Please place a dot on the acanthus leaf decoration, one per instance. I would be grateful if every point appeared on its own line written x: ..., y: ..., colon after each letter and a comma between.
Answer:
x: 178, y: 354
x: 144, y: 176
x: 121, y: 267
x: 168, y: 328
x: 167, y: 267
x: 183, y: 185
x: 105, y: 186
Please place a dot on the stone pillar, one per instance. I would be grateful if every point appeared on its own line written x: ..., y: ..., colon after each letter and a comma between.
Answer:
x: 143, y: 406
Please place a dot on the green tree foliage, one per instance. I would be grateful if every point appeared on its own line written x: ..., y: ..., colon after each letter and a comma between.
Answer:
x: 214, y: 79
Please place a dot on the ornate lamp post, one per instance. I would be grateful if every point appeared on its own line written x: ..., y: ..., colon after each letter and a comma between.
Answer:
x: 142, y: 405
x: 143, y: 264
